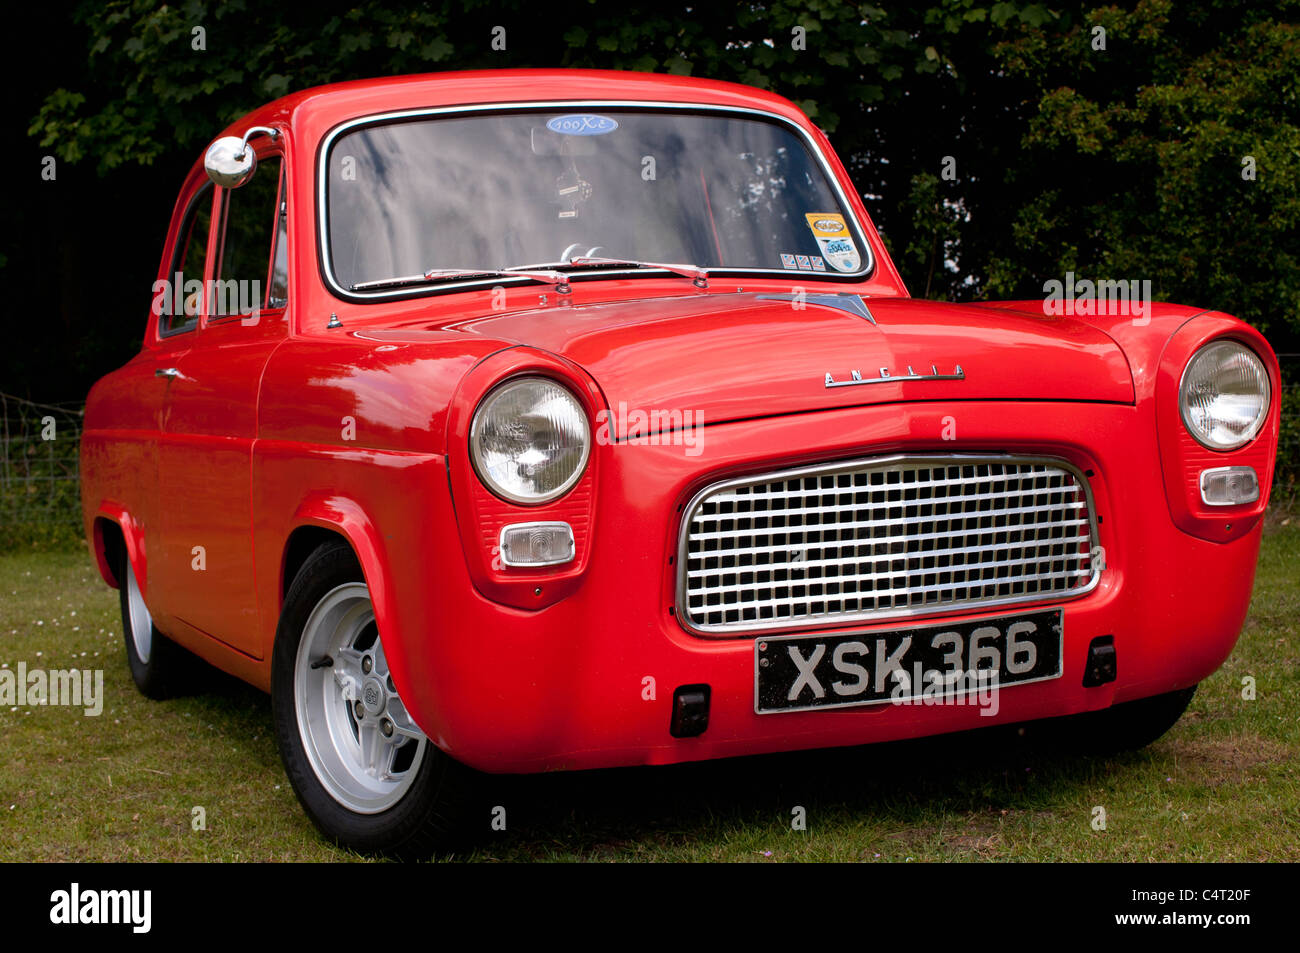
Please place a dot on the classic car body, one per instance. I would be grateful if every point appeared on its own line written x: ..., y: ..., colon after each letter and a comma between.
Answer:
x: 232, y: 447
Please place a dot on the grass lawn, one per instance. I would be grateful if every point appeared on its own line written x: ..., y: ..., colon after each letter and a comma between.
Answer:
x: 1224, y: 784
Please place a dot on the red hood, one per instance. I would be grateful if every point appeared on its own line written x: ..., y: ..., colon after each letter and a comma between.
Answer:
x: 731, y: 356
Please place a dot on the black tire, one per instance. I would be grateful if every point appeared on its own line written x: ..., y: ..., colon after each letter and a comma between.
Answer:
x: 1128, y: 726
x: 163, y: 669
x: 432, y: 814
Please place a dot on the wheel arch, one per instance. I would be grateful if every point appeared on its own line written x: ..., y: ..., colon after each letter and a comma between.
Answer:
x: 319, y: 520
x: 113, y: 530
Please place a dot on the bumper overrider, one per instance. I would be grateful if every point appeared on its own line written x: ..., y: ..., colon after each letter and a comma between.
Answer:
x: 589, y: 679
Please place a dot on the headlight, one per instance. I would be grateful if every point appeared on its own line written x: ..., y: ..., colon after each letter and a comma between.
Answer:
x: 1224, y: 395
x: 530, y: 440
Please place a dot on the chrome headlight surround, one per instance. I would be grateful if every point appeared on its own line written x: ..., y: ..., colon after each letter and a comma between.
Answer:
x: 530, y: 440
x: 1224, y: 395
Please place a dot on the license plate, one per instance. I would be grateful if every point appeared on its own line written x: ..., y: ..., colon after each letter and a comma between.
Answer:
x: 906, y: 666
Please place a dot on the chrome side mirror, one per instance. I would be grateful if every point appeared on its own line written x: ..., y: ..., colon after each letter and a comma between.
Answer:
x: 229, y: 162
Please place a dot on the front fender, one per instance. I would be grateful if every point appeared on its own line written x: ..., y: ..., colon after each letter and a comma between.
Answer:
x: 347, y: 518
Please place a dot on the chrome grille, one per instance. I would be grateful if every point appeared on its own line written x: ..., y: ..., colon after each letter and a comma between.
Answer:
x: 871, y: 539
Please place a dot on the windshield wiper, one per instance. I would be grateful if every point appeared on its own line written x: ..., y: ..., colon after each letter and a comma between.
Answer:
x: 548, y: 273
x: 699, y: 276
x: 435, y: 275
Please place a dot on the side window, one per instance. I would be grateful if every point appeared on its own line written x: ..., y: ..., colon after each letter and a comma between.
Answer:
x: 248, y: 230
x: 180, y: 305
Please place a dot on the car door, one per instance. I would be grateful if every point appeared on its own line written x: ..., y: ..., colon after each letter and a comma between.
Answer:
x: 210, y: 422
x: 141, y: 388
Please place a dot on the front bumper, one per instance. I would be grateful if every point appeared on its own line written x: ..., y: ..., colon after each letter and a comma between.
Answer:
x: 588, y: 682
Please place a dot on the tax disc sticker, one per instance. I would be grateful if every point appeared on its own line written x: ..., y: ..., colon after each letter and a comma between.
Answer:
x: 836, y: 241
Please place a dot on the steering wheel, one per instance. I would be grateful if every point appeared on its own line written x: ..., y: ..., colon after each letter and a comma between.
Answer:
x: 575, y: 251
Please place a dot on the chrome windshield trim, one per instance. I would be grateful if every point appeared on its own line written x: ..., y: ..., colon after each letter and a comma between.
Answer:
x: 327, y: 145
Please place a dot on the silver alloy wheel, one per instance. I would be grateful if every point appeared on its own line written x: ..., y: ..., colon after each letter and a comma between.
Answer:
x: 363, y: 746
x: 141, y: 622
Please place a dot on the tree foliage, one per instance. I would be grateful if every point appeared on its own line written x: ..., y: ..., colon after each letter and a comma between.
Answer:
x: 1174, y: 156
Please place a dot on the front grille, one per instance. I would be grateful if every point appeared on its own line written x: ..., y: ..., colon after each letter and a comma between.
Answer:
x: 871, y: 539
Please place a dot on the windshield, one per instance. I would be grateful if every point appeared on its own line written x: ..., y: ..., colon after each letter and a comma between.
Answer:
x: 511, y: 189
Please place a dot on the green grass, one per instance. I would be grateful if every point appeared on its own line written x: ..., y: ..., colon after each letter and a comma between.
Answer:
x: 1224, y: 784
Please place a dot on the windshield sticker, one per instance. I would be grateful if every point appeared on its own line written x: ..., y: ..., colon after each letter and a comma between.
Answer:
x: 803, y: 262
x: 827, y: 225
x: 836, y: 242
x: 582, y: 124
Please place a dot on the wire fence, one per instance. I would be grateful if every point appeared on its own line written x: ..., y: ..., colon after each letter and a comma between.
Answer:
x: 39, y: 472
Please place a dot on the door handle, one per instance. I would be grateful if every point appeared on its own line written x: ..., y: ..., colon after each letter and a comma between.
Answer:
x: 167, y: 372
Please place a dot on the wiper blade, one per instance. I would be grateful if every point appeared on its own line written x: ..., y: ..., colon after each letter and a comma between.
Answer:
x: 548, y: 274
x: 435, y: 275
x: 699, y: 276
x: 388, y: 283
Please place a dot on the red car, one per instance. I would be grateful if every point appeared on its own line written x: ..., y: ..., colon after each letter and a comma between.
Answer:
x: 531, y: 420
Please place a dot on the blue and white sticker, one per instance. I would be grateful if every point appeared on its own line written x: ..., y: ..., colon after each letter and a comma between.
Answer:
x: 582, y: 124
x: 787, y: 261
x: 817, y: 263
x: 802, y: 261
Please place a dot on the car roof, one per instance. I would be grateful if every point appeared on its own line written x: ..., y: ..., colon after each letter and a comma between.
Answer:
x: 312, y: 112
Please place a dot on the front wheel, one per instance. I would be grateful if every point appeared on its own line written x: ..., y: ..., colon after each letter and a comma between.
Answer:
x: 363, y: 770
